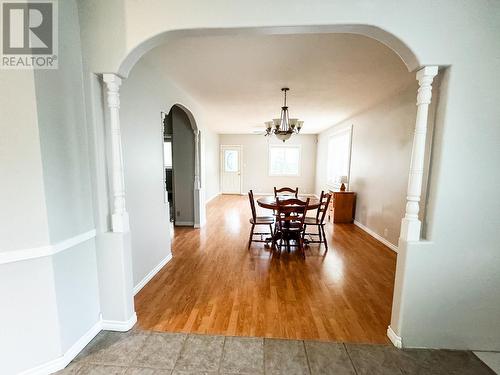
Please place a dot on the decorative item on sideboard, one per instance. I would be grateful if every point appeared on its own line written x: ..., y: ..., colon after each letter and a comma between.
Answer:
x: 342, y: 180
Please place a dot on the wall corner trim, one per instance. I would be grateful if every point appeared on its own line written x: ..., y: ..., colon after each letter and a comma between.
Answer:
x: 376, y: 236
x: 43, y: 251
x: 119, y: 325
x: 152, y: 273
x: 396, y: 340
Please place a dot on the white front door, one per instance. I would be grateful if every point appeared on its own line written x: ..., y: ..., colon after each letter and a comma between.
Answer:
x: 231, y: 169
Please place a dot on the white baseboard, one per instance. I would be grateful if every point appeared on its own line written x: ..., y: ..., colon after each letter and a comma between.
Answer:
x: 212, y: 197
x: 61, y: 362
x: 184, y: 223
x: 152, y: 274
x: 118, y: 325
x: 376, y: 236
x: 395, y: 339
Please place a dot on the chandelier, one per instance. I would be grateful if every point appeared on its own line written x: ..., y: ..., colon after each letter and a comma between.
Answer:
x: 283, y: 127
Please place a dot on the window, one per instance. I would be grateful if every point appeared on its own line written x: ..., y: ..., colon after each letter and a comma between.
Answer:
x: 167, y: 154
x: 230, y: 161
x: 284, y: 160
x: 339, y: 156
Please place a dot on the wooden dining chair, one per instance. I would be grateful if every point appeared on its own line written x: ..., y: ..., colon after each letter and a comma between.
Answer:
x: 318, y: 221
x: 290, y: 222
x: 285, y: 190
x: 258, y: 220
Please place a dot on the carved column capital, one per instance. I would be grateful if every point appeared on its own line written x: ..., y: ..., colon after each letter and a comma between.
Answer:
x: 113, y: 83
x: 425, y: 77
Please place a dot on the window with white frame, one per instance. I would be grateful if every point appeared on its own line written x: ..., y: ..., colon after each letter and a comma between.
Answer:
x: 284, y: 160
x: 339, y: 156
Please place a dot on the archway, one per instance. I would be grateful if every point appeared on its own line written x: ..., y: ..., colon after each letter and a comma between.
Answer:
x: 406, y: 54
x: 411, y: 225
x: 181, y: 130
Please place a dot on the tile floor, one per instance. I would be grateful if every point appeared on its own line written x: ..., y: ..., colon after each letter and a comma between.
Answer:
x: 492, y: 359
x: 152, y: 353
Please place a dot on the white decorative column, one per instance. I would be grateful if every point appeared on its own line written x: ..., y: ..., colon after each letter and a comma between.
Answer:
x: 198, y: 193
x: 197, y: 183
x: 119, y: 218
x: 410, y: 225
x: 114, y: 256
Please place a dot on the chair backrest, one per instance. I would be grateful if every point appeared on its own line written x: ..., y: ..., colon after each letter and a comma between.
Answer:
x: 324, y: 202
x: 295, y: 191
x: 252, y: 205
x: 292, y: 211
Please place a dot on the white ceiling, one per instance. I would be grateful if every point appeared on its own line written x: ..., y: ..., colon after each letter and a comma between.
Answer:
x: 237, y: 79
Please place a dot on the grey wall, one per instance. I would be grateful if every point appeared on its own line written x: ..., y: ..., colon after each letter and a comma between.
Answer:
x: 65, y: 160
x: 54, y: 298
x: 183, y: 166
x: 143, y: 97
x: 382, y: 139
x: 255, y: 162
x: 380, y: 159
x: 22, y: 195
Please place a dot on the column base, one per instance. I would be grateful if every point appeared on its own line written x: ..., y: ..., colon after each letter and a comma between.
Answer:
x: 199, y: 208
x: 410, y: 230
x: 120, y: 222
x: 114, y: 262
x: 119, y: 325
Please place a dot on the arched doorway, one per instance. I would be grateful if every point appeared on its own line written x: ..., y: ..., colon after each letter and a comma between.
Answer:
x: 411, y: 224
x: 181, y: 139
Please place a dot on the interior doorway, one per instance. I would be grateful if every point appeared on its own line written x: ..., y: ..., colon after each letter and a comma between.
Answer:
x: 231, y: 169
x: 179, y: 164
x: 168, y: 165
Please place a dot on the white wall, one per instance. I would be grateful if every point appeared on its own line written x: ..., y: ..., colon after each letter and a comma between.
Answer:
x: 255, y: 161
x: 380, y: 158
x: 30, y: 334
x: 210, y: 151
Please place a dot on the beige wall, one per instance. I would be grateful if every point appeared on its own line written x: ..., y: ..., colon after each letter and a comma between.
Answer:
x: 380, y: 159
x: 210, y: 159
x: 255, y: 162
x: 142, y: 141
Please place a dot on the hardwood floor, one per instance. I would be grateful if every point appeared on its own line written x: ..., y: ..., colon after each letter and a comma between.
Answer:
x: 215, y: 285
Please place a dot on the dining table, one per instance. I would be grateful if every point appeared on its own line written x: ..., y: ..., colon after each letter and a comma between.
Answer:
x: 269, y: 201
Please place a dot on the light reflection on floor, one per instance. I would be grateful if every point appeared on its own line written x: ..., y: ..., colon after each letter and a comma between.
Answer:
x: 334, y: 268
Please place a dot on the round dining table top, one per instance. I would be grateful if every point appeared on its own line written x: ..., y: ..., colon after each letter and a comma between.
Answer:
x: 270, y: 201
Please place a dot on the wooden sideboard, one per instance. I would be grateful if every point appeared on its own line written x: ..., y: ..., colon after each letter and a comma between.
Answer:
x: 342, y: 207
